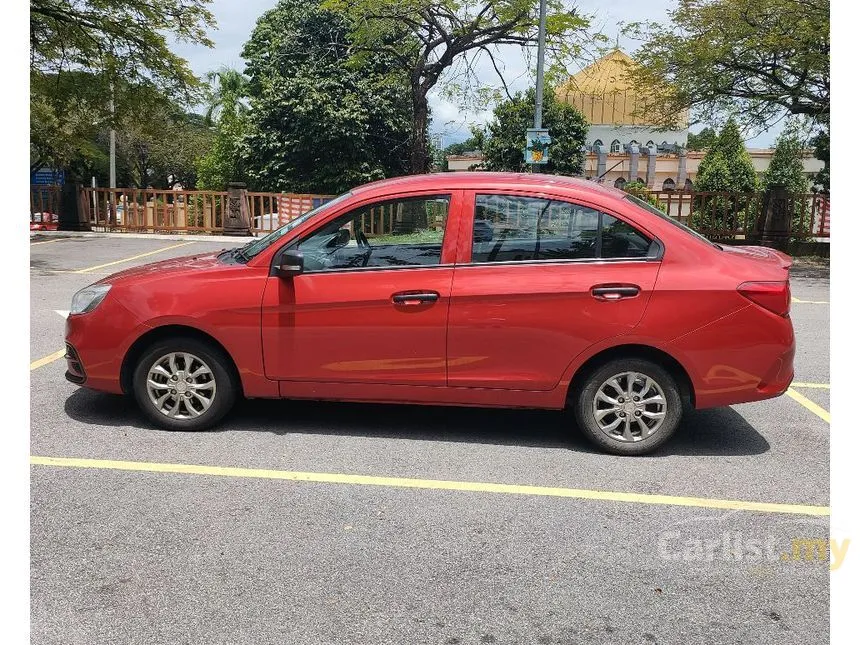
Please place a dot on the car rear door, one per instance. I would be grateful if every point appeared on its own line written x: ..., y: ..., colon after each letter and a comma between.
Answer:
x: 541, y: 279
x: 372, y: 303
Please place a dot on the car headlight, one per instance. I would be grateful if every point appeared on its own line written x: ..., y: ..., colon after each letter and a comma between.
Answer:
x: 88, y: 298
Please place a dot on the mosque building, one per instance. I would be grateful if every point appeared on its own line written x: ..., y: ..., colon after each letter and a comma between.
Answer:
x: 622, y: 144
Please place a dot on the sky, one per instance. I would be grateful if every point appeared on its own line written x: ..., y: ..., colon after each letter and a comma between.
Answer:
x: 236, y: 20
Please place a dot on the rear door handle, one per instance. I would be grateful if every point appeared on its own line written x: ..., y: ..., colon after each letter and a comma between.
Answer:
x: 414, y: 298
x: 615, y: 292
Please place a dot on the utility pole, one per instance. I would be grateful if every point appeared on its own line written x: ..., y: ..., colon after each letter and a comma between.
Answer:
x: 541, y: 47
x: 537, y: 138
x: 112, y: 141
x: 112, y: 200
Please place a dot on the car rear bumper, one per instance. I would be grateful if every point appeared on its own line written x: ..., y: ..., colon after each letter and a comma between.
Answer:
x: 747, y: 356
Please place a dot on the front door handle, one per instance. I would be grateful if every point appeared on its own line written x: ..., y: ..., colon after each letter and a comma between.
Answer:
x: 615, y: 291
x: 414, y: 298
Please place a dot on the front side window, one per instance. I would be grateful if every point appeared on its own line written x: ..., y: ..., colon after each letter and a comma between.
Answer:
x: 510, y: 228
x: 404, y: 232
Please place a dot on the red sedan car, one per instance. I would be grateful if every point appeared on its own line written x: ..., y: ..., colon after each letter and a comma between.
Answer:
x: 481, y: 289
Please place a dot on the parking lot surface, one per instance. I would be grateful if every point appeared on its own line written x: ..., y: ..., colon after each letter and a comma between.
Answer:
x: 306, y: 522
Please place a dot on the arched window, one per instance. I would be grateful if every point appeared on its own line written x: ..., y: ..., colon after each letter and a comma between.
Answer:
x: 669, y: 184
x: 615, y: 147
x: 632, y: 143
x: 620, y: 182
x: 650, y: 144
x: 640, y: 180
x: 597, y: 144
x: 688, y: 185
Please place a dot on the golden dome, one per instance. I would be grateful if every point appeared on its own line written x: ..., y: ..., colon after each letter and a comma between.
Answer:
x: 604, y: 93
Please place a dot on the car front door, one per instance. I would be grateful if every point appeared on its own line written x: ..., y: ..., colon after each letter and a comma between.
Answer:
x: 371, y: 304
x: 543, y: 279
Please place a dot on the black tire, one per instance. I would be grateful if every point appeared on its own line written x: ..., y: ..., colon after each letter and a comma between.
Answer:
x: 584, y: 400
x: 225, y: 391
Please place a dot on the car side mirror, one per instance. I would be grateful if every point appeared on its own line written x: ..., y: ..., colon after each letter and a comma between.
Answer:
x: 292, y: 263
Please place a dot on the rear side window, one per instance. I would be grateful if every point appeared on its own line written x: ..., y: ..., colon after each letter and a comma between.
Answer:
x: 620, y: 240
x: 509, y: 228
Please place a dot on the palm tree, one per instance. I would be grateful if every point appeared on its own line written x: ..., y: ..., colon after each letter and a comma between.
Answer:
x: 228, y: 90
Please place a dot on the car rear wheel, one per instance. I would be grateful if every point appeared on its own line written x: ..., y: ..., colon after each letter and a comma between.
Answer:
x: 629, y: 406
x: 184, y: 384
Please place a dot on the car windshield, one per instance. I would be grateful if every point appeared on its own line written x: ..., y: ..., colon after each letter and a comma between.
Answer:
x: 258, y: 246
x: 652, y: 209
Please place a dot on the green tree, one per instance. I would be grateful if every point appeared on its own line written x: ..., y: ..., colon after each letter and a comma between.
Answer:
x: 87, y: 53
x: 223, y: 162
x: 425, y: 38
x: 228, y: 90
x: 164, y: 142
x: 757, y: 60
x: 732, y: 166
x: 640, y: 190
x: 506, y: 134
x: 821, y: 145
x: 126, y: 38
x: 786, y: 164
x: 319, y: 120
x: 786, y: 170
x: 726, y: 167
x: 703, y: 140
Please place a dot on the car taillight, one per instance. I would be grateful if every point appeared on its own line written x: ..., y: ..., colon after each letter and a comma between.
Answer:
x: 773, y: 296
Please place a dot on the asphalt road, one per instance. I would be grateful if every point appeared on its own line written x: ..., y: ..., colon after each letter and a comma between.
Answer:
x: 251, y: 553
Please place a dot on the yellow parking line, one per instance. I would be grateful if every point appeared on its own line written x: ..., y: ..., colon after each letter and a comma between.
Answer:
x: 50, y: 358
x: 809, y: 405
x: 798, y: 301
x: 59, y: 239
x: 820, y: 386
x: 432, y: 484
x: 134, y: 257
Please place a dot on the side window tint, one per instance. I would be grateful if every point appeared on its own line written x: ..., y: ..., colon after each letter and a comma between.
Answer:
x: 620, y: 240
x: 517, y: 229
x: 404, y: 232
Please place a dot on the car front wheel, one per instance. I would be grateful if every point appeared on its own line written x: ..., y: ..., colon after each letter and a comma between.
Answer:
x: 184, y: 384
x: 629, y: 406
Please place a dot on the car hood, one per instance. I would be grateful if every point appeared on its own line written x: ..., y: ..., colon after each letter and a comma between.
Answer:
x: 173, y: 266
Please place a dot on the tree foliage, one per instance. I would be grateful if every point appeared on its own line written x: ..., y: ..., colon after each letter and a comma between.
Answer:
x: 427, y: 38
x: 786, y: 164
x: 321, y: 121
x: 124, y: 38
x: 757, y: 60
x: 726, y: 167
x: 505, y: 143
x: 85, y: 53
x: 703, y: 140
x: 224, y: 161
x: 821, y: 145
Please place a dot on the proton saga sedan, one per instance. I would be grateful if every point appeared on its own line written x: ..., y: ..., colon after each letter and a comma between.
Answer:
x: 469, y: 289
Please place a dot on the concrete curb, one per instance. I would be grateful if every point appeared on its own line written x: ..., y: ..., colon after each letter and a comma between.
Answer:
x: 147, y: 236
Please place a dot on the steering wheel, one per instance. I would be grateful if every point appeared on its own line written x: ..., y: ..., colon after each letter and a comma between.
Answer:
x: 361, y: 240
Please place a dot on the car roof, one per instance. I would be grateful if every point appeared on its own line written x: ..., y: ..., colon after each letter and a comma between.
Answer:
x: 487, y: 180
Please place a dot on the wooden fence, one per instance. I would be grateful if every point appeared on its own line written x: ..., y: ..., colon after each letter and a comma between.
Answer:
x: 717, y: 215
x: 727, y: 215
